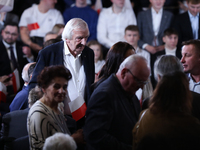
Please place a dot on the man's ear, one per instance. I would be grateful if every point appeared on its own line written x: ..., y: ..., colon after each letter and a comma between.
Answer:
x: 123, y: 73
x: 163, y: 39
x: 67, y: 40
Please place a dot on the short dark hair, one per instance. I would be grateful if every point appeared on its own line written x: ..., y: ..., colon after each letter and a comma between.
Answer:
x: 170, y: 31
x: 132, y: 28
x: 51, y: 41
x: 195, y: 43
x: 11, y: 24
x: 193, y: 1
x: 172, y: 94
x: 49, y: 73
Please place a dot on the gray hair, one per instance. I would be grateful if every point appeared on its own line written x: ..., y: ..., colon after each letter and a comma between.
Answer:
x: 167, y: 64
x: 60, y: 141
x: 73, y: 24
x: 132, y: 59
x: 26, y: 72
x: 34, y: 95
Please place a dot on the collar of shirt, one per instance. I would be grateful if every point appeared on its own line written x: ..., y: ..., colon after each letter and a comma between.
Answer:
x: 112, y: 12
x: 67, y: 52
x: 8, y: 45
x: 170, y: 50
x: 190, y: 77
x: 155, y: 13
x: 191, y: 16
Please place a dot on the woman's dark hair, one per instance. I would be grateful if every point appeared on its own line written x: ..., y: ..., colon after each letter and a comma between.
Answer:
x: 172, y: 94
x: 114, y: 58
x: 46, y: 76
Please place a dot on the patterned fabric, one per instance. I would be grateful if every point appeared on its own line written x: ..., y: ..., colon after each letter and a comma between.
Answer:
x: 43, y: 122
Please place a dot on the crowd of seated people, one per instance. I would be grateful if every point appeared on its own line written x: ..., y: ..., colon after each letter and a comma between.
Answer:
x: 96, y: 42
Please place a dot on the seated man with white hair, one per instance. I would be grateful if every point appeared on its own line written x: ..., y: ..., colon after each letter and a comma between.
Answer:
x: 60, y: 141
x: 21, y: 99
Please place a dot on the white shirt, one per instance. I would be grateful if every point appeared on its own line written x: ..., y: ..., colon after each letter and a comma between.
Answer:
x: 9, y: 54
x: 98, y: 65
x: 170, y: 52
x: 76, y: 86
x: 195, y: 87
x: 156, y: 20
x: 111, y: 26
x: 145, y: 54
x: 194, y: 24
x: 46, y: 21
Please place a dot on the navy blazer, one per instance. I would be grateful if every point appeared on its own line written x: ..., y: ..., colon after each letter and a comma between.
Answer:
x: 53, y: 55
x: 145, y: 25
x: 183, y: 26
x: 110, y: 117
x: 21, y: 100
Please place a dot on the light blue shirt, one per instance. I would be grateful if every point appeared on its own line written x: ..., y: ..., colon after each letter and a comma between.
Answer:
x: 194, y: 24
x: 194, y: 86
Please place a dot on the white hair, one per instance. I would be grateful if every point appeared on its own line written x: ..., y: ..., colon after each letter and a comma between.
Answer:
x: 132, y: 59
x: 25, y: 74
x: 59, y: 141
x: 73, y: 24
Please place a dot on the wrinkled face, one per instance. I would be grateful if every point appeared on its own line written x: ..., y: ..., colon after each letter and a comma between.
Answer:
x: 50, y: 3
x: 132, y: 37
x: 190, y: 59
x: 10, y: 34
x: 170, y: 41
x: 57, y: 90
x: 118, y: 3
x: 157, y: 4
x: 97, y: 51
x: 78, y: 41
x: 193, y: 8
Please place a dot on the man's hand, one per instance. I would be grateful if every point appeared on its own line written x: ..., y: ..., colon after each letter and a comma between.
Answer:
x: 160, y: 48
x: 151, y: 49
x: 78, y: 137
x: 27, y: 51
x: 35, y: 47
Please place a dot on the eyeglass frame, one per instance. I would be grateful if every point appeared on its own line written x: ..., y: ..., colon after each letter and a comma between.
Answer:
x: 139, y: 82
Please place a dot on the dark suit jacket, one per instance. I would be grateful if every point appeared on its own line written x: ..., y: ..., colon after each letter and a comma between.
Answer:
x: 183, y: 26
x: 110, y: 117
x: 5, y: 67
x: 145, y: 25
x: 21, y: 100
x: 53, y: 55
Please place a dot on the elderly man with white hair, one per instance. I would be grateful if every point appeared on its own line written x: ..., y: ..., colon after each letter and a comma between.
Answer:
x: 60, y: 141
x: 79, y: 59
x: 21, y: 99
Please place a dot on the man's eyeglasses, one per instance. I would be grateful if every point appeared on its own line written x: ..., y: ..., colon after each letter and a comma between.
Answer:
x: 12, y: 34
x: 139, y: 82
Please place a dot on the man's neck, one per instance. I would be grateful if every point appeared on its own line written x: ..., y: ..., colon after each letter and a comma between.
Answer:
x: 157, y: 10
x: 196, y: 78
x: 42, y: 8
x: 116, y: 9
x: 81, y: 5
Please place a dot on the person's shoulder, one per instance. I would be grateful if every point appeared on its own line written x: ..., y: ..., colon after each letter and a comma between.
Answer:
x: 106, y: 10
x: 167, y: 13
x: 31, y: 9
x: 55, y: 47
x: 54, y: 12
